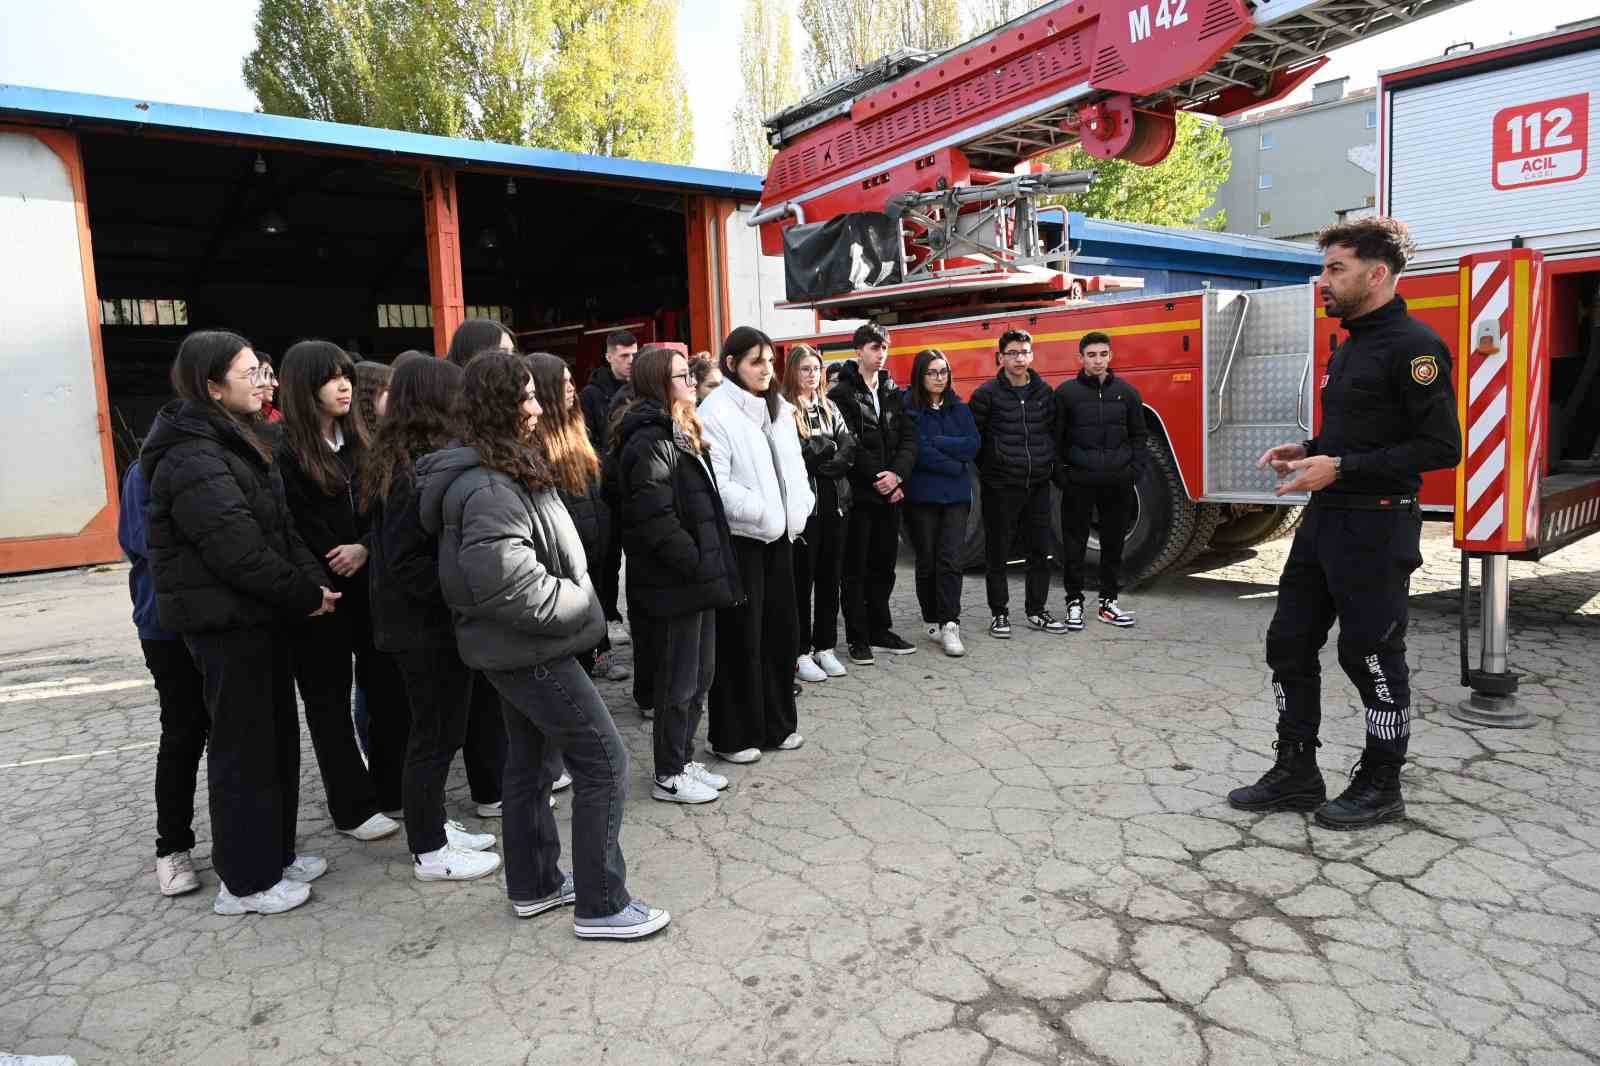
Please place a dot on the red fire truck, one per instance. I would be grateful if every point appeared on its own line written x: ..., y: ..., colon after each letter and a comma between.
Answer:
x: 1485, y: 154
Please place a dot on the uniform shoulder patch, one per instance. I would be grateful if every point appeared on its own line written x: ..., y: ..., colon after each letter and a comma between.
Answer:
x: 1425, y: 369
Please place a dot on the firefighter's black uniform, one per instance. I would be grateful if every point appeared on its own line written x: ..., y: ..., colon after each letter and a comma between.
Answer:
x: 1388, y: 415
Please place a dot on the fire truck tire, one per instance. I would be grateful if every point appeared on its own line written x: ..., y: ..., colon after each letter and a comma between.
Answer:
x: 1166, y: 523
x: 1240, y: 531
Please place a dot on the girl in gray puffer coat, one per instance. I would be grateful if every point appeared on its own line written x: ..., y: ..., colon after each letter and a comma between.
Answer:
x: 513, y: 571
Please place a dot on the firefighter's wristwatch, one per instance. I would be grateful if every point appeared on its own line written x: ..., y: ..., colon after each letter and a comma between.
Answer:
x: 1338, y: 466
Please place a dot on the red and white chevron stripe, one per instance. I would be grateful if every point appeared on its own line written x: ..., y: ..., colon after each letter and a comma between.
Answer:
x: 1536, y: 401
x: 1488, y: 395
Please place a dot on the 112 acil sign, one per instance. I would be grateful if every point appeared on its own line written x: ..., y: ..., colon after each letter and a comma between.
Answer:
x: 1541, y: 143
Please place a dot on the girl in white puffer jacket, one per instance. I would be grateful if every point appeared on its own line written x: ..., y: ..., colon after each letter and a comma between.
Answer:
x: 761, y: 477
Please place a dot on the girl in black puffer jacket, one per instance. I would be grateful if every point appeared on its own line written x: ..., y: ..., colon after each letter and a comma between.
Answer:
x: 681, y: 566
x: 324, y: 438
x: 230, y: 572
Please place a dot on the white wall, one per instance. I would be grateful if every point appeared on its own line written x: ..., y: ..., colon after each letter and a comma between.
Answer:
x: 755, y: 283
x: 51, y: 477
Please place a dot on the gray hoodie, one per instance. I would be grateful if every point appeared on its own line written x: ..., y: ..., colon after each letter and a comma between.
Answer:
x: 511, y: 565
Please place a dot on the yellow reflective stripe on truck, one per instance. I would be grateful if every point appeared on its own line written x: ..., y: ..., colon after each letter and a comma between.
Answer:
x: 1065, y: 335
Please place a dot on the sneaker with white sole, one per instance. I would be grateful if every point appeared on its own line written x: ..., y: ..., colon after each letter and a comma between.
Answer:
x: 636, y: 920
x: 699, y: 772
x: 617, y: 633
x: 806, y: 670
x: 1048, y: 622
x: 893, y: 643
x: 861, y: 654
x: 1074, y: 615
x: 491, y: 810
x: 607, y: 668
x: 748, y: 755
x: 452, y: 863
x: 830, y: 663
x: 950, y: 640
x: 459, y: 836
x: 565, y: 896
x: 791, y: 742
x: 1113, y: 615
x: 932, y: 630
x: 305, y: 869
x: 375, y: 828
x: 284, y: 896
x: 175, y: 874
x: 562, y: 782
x: 681, y: 788
x: 1000, y: 626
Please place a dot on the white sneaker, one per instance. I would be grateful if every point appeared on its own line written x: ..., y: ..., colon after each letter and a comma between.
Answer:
x: 398, y: 815
x: 617, y: 633
x: 561, y: 783
x: 806, y: 670
x: 830, y: 663
x: 699, y: 772
x: 457, y: 835
x: 305, y: 869
x: 608, y: 668
x: 375, y: 828
x: 451, y: 863
x: 565, y: 896
x: 175, y: 874
x: 637, y: 919
x: 933, y: 631
x: 681, y: 788
x: 950, y: 638
x: 491, y: 810
x: 748, y: 755
x: 283, y: 896
x: 791, y: 742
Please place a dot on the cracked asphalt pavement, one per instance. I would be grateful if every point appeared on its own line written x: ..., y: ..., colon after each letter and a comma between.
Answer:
x: 1020, y: 857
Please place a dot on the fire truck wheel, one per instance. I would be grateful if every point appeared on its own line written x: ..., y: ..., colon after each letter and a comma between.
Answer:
x: 1243, y: 529
x: 1165, y: 526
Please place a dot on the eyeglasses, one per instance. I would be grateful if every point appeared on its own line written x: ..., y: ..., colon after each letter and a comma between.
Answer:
x: 687, y: 377
x: 937, y: 372
x: 809, y: 370
x: 1017, y: 353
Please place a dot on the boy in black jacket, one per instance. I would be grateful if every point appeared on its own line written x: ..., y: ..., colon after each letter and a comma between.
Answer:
x: 1100, y: 418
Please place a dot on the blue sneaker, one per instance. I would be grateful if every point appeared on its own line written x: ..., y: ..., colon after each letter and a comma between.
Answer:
x: 635, y: 920
x: 565, y: 896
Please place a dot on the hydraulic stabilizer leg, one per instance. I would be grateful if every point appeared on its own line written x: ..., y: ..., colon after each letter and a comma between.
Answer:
x: 1494, y: 687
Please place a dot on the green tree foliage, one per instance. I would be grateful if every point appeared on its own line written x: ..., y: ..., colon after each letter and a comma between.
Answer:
x: 845, y: 34
x: 767, y: 49
x: 1174, y: 192
x: 598, y: 76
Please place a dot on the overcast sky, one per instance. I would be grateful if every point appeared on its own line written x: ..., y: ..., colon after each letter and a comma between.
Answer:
x: 189, y: 51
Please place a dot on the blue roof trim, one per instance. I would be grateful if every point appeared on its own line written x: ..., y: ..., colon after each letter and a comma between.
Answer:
x: 23, y: 100
x: 1158, y: 239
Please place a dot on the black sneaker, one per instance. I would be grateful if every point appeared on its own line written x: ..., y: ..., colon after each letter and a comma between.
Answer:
x: 1001, y: 626
x: 891, y: 642
x: 1048, y: 622
x: 861, y: 654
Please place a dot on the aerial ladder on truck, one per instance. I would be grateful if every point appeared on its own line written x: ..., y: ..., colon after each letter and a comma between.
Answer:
x: 909, y: 191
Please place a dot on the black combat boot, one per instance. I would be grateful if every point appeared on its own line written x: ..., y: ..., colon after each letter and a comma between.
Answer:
x: 1372, y: 798
x: 1293, y: 784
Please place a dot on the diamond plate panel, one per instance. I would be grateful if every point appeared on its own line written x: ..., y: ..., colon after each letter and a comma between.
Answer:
x: 1267, y: 391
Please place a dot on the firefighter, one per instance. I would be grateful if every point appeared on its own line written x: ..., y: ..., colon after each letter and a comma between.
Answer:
x: 1388, y: 416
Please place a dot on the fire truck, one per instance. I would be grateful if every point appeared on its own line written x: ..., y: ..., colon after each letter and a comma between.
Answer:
x: 906, y: 194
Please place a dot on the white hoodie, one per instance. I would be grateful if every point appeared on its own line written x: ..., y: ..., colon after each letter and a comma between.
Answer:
x: 761, y: 474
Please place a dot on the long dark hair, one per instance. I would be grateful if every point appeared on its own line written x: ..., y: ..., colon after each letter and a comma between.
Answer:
x: 372, y: 379
x: 205, y: 356
x: 307, y: 366
x: 562, y: 434
x: 473, y: 336
x: 424, y: 416
x: 652, y: 381
x: 798, y: 354
x: 738, y: 344
x: 921, y: 398
x: 495, y: 384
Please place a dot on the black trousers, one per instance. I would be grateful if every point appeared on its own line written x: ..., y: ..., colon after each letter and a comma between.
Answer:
x: 439, y: 690
x: 184, y: 726
x: 866, y: 581
x: 752, y: 698
x: 553, y: 713
x: 388, y: 719
x: 606, y: 571
x: 938, y: 533
x: 484, y: 750
x: 686, y: 665
x: 1078, y: 504
x: 323, y: 655
x: 1008, y: 513
x: 817, y: 558
x: 1354, y: 566
x: 646, y: 631
x: 253, y: 757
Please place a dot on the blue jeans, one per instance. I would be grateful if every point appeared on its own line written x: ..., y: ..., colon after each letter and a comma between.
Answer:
x: 553, y: 712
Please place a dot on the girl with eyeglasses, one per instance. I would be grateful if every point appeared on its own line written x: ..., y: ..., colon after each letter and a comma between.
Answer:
x: 829, y: 450
x: 513, y: 570
x: 324, y: 441
x: 761, y: 476
x: 231, y: 573
x: 939, y: 494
